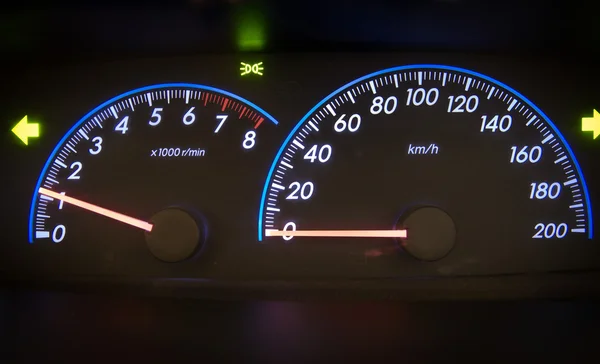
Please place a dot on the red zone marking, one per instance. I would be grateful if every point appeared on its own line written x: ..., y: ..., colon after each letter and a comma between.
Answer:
x: 226, y: 103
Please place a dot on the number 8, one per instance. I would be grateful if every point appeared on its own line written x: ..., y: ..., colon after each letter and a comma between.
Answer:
x: 249, y: 140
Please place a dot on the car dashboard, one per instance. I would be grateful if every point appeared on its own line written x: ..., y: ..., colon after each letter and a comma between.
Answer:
x: 395, y: 164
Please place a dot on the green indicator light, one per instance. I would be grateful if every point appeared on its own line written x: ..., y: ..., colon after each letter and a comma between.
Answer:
x: 249, y: 68
x: 250, y: 29
x: 25, y: 130
x: 591, y: 124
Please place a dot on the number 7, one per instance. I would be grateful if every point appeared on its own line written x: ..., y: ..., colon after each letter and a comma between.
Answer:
x: 222, y: 118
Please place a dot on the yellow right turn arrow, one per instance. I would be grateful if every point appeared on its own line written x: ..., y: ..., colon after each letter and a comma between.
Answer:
x: 591, y: 124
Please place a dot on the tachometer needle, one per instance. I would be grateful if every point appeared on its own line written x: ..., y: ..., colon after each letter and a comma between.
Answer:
x: 339, y: 233
x: 97, y: 209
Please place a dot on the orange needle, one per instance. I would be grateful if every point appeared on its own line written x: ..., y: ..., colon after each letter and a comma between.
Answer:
x: 339, y: 233
x: 97, y: 209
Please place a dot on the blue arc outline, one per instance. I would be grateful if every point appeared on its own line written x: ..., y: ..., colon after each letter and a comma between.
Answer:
x: 115, y: 99
x: 436, y: 67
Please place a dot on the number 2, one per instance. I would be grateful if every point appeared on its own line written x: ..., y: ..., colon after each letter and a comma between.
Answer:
x: 77, y: 166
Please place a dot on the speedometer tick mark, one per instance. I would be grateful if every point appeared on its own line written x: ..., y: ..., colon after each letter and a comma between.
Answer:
x: 372, y: 85
x: 298, y: 144
x: 420, y: 78
x: 491, y: 92
x: 579, y: 205
x: 395, y: 82
x: 560, y: 159
x: 578, y: 230
x: 512, y: 104
x: 468, y: 84
x: 350, y: 96
x: 60, y: 163
x: 547, y: 139
x: 287, y: 165
x: 331, y: 110
x: 114, y: 112
x: 570, y: 182
x: 531, y: 120
x: 313, y: 125
x: 278, y: 186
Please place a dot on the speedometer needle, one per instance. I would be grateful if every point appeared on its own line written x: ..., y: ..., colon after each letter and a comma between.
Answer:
x: 97, y: 209
x: 339, y: 233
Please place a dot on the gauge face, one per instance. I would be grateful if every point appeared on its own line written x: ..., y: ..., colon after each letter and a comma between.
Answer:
x: 411, y: 151
x: 149, y: 160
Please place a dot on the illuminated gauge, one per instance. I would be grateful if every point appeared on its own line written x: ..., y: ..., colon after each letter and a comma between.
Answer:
x: 159, y: 161
x: 429, y: 157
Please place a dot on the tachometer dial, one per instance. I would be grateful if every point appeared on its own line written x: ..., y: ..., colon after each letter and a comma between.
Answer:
x: 431, y: 156
x: 153, y: 162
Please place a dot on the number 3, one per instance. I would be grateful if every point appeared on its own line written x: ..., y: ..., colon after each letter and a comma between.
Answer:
x: 98, y: 144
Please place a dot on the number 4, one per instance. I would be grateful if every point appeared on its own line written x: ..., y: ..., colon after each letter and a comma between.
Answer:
x: 122, y: 125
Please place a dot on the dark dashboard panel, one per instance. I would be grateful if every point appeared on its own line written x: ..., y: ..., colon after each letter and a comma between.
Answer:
x: 58, y: 75
x: 290, y: 86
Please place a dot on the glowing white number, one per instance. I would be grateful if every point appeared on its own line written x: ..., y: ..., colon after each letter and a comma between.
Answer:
x: 156, y: 114
x: 249, y: 140
x: 290, y: 226
x: 77, y: 166
x: 540, y: 191
x: 322, y: 153
x: 353, y: 123
x: 522, y: 155
x: 418, y: 96
x: 388, y: 107
x: 306, y: 190
x: 122, y: 125
x: 549, y: 231
x: 222, y: 119
x: 98, y: 144
x: 503, y: 125
x: 461, y: 101
x: 189, y: 117
x: 61, y: 203
x: 58, y: 234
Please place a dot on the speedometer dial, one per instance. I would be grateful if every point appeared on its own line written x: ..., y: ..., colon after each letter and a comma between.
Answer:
x: 156, y: 165
x: 431, y: 156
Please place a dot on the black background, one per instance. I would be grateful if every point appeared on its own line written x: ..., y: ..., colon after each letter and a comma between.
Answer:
x: 67, y: 35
